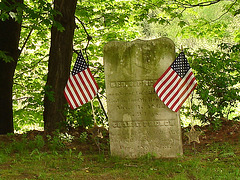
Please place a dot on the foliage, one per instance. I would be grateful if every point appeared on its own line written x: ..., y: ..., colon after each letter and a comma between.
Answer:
x: 55, y: 142
x: 84, y: 115
x: 217, y: 73
x: 23, y: 145
x: 98, y: 20
x: 222, y: 150
x: 104, y: 21
x: 83, y: 137
x: 212, y: 21
x: 30, y: 73
x: 28, y: 97
x: 5, y: 57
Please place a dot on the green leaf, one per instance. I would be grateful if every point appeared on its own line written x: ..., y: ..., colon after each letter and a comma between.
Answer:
x: 5, y: 57
x: 182, y: 23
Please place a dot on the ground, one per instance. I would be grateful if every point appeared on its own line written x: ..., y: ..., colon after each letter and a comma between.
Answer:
x: 79, y: 158
x: 229, y: 132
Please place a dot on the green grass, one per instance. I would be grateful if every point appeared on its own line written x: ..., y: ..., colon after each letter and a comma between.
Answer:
x: 31, y: 159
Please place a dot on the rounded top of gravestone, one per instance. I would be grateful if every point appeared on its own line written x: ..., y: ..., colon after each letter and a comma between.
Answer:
x: 139, y: 58
x: 163, y: 40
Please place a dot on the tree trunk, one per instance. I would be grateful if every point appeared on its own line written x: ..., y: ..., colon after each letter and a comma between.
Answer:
x: 9, y: 41
x: 59, y: 65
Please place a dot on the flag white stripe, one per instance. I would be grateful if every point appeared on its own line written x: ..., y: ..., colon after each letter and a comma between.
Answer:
x: 180, y: 101
x: 77, y: 93
x: 163, y: 79
x: 177, y: 89
x: 166, y: 84
x: 184, y: 96
x: 85, y: 90
x: 68, y: 94
x: 183, y: 88
x: 91, y: 80
x: 80, y: 87
x: 88, y: 81
x: 170, y: 88
x: 72, y: 90
x: 172, y: 91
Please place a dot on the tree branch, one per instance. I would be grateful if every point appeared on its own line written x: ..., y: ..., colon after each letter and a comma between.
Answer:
x: 32, y: 67
x: 89, y: 38
x: 25, y: 42
x: 225, y: 12
x: 202, y: 4
x: 18, y: 99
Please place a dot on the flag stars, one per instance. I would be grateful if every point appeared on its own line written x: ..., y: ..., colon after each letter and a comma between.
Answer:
x: 181, y: 65
x: 80, y: 65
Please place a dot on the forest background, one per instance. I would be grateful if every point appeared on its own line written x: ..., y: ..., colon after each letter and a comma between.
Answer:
x: 209, y: 31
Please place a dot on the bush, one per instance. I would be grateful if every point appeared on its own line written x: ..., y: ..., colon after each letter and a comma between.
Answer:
x: 218, y: 77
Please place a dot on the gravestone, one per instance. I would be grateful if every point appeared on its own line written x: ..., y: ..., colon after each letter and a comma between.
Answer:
x: 139, y: 123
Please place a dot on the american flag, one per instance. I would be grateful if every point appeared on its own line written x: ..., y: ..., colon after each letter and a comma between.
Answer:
x: 81, y: 86
x: 176, y: 83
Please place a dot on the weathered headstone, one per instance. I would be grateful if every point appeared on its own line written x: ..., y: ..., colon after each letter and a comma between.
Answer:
x: 139, y: 123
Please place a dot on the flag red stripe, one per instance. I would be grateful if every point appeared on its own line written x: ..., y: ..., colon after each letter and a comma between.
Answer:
x: 66, y: 96
x: 81, y: 87
x: 85, y: 83
x: 90, y: 79
x: 168, y: 87
x: 179, y: 106
x: 172, y: 89
x: 180, y: 103
x: 71, y: 98
x: 73, y: 91
x: 177, y: 91
x: 163, y: 84
x: 88, y: 89
x: 79, y: 90
x: 188, y: 85
x: 178, y: 100
x: 162, y: 76
x: 95, y: 88
x: 160, y: 85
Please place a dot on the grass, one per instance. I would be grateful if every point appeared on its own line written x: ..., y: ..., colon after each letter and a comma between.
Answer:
x: 52, y: 159
x: 63, y: 166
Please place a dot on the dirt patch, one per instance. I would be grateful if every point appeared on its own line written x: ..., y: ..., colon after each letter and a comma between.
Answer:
x: 229, y: 132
